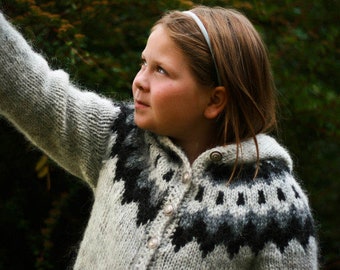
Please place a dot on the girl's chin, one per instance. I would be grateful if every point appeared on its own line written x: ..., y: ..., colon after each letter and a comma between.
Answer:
x: 141, y: 123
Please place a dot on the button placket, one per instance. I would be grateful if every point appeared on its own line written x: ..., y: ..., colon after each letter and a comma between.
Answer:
x: 164, y: 219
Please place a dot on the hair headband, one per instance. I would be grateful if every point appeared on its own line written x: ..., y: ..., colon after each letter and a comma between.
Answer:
x: 207, y: 39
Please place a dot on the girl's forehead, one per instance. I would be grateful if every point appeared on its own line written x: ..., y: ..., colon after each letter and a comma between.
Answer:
x: 158, y: 30
x: 160, y: 41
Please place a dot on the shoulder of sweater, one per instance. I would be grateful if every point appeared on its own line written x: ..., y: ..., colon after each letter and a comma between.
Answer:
x: 268, y: 148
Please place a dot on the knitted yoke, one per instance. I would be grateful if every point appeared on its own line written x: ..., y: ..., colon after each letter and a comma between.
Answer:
x: 152, y: 208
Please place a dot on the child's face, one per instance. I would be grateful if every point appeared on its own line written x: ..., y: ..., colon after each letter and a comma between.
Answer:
x: 167, y: 98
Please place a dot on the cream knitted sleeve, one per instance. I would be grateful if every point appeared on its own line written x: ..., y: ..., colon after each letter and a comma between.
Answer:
x: 70, y: 125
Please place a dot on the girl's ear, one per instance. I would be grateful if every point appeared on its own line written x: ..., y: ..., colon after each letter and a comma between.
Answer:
x: 217, y: 102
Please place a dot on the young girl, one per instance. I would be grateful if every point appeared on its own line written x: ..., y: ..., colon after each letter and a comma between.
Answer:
x: 184, y: 177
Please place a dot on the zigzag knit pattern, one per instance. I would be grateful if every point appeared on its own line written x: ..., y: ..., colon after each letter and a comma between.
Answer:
x: 152, y: 208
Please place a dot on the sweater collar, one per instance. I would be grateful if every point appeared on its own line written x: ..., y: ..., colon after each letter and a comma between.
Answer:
x: 269, y: 148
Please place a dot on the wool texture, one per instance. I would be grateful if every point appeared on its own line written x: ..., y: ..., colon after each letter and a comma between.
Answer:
x: 152, y: 208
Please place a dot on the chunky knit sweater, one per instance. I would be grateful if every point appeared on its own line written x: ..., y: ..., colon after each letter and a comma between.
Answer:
x: 152, y: 208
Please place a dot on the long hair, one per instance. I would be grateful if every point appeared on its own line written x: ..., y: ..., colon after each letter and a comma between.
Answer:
x: 243, y: 66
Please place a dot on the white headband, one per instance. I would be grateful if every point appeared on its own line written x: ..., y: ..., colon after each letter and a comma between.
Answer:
x: 207, y: 39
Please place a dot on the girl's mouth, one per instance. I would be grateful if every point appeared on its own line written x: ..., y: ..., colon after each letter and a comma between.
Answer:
x: 140, y: 104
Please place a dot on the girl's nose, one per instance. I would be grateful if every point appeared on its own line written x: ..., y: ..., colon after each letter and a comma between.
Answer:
x: 141, y: 81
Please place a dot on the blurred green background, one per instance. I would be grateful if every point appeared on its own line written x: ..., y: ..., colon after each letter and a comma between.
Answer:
x: 43, y: 210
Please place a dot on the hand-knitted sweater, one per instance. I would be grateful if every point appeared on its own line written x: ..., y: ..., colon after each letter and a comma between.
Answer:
x: 152, y: 208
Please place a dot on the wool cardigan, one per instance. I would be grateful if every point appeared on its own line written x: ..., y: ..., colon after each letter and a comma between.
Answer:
x: 152, y: 208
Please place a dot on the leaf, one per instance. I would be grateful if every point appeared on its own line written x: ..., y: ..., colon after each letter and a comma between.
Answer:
x: 43, y: 162
x: 43, y: 172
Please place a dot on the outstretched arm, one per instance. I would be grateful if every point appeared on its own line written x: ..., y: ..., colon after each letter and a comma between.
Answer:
x: 70, y: 125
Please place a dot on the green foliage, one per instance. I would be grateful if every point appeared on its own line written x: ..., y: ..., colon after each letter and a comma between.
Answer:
x: 99, y: 44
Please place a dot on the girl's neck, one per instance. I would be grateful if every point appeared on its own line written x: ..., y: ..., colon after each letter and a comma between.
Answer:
x: 193, y: 148
x: 197, y: 140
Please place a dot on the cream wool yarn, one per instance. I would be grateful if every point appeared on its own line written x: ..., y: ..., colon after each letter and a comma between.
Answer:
x: 152, y: 209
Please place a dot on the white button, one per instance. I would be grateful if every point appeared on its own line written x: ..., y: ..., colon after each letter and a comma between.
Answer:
x: 153, y: 242
x: 168, y: 210
x: 186, y: 177
x: 215, y: 156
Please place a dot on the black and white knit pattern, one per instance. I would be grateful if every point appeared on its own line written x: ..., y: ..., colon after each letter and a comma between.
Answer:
x: 152, y: 208
x: 222, y: 227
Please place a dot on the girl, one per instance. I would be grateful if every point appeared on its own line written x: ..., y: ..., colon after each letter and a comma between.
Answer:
x: 184, y: 177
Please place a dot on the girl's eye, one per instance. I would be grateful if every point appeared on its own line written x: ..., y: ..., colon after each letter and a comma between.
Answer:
x: 157, y: 68
x: 161, y: 70
x: 143, y: 63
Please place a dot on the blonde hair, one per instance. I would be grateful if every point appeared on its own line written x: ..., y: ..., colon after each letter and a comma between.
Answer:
x: 242, y: 62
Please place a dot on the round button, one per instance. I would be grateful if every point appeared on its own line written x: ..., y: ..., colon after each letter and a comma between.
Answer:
x: 153, y: 242
x: 186, y: 177
x: 168, y: 210
x: 215, y: 156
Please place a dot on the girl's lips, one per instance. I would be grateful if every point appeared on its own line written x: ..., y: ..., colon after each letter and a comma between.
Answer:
x: 140, y: 104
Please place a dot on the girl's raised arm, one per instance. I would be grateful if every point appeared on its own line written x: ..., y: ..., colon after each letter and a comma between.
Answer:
x: 70, y: 125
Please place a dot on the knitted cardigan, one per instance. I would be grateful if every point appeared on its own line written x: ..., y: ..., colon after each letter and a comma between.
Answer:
x: 152, y: 208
